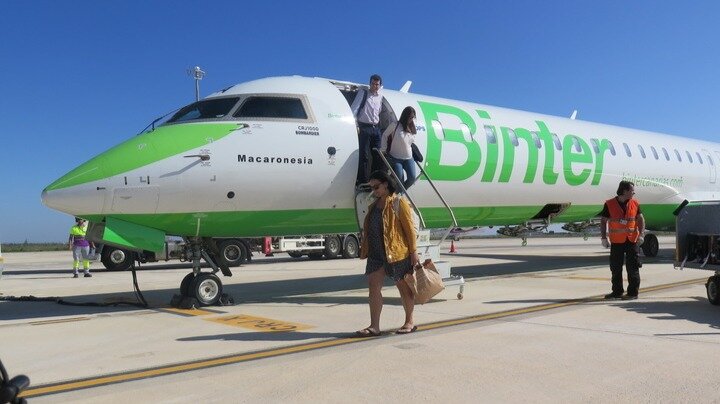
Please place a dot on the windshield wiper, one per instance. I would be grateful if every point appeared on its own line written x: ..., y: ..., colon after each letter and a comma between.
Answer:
x: 151, y: 125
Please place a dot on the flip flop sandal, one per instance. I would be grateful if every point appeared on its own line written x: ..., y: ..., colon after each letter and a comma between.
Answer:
x: 367, y: 332
x: 406, y: 330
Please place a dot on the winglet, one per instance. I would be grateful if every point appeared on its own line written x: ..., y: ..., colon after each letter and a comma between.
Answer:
x: 406, y: 87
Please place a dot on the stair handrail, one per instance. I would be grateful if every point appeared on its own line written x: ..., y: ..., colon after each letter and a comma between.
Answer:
x: 452, y: 214
x: 415, y: 207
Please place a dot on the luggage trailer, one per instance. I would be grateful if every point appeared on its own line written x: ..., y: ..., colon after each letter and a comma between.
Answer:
x: 697, y: 242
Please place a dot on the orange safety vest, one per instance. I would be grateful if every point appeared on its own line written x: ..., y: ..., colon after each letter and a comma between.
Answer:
x: 621, y: 225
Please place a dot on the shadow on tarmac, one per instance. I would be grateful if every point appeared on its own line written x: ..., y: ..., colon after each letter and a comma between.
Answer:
x: 289, y: 291
x: 698, y: 311
x: 537, y: 263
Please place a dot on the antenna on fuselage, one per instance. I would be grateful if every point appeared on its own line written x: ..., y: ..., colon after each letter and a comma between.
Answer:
x: 574, y: 114
x: 198, y: 74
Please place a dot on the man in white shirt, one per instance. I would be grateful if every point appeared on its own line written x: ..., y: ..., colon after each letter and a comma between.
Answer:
x: 367, y: 108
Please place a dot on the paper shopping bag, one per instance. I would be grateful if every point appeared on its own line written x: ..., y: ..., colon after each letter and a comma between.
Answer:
x: 425, y: 282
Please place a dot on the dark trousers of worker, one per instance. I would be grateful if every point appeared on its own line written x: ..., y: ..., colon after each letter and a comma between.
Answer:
x: 368, y: 139
x: 628, y: 253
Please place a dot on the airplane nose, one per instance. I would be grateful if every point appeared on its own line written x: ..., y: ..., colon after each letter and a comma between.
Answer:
x: 78, y: 200
x: 80, y: 192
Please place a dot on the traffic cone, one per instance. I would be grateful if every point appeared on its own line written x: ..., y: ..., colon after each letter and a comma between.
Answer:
x: 452, y: 246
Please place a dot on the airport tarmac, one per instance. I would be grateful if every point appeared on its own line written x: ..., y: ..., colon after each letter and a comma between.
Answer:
x: 532, y: 327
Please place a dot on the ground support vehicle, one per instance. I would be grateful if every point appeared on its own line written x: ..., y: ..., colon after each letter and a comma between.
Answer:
x: 698, y: 242
x: 316, y: 247
x: 232, y: 252
x: 236, y: 251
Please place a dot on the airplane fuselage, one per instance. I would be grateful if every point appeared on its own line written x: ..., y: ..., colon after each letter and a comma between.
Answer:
x: 244, y: 172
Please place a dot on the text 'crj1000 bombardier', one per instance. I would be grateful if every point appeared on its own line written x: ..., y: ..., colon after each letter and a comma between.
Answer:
x: 279, y: 156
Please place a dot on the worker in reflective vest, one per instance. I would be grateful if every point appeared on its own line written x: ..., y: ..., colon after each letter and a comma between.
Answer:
x: 623, y: 222
x: 80, y: 247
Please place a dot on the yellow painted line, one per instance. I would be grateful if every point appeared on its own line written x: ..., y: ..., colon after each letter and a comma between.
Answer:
x: 573, y: 277
x: 672, y: 285
x: 542, y: 307
x: 586, y: 278
x: 189, y: 312
x: 185, y: 367
x: 63, y: 320
x: 233, y: 359
x: 259, y: 323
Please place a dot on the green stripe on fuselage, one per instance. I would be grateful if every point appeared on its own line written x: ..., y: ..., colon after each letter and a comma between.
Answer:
x: 329, y: 221
x: 144, y: 149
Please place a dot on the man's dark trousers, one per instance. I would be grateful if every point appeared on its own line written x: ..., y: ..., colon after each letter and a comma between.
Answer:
x: 368, y: 139
x: 628, y: 253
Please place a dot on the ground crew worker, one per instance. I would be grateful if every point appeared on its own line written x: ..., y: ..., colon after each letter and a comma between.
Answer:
x: 80, y: 247
x: 623, y: 222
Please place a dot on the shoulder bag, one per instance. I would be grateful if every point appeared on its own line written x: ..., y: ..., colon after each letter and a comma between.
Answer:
x: 417, y: 156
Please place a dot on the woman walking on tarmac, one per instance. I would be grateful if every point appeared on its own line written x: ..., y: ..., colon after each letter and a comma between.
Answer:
x: 388, y: 243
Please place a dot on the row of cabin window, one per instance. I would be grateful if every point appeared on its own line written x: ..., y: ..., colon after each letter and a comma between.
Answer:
x: 292, y: 108
x: 492, y: 138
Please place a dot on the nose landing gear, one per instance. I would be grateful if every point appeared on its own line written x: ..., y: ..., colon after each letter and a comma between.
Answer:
x: 202, y: 288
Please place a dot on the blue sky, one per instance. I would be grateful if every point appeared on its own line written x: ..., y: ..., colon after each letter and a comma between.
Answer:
x: 81, y: 76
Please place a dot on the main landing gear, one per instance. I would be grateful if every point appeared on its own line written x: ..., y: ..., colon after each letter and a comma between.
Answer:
x: 200, y: 288
x: 524, y: 230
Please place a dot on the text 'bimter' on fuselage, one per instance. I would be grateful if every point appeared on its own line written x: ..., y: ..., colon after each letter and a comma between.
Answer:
x: 580, y: 161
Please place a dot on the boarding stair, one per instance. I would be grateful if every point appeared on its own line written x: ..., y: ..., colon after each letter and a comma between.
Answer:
x: 426, y: 248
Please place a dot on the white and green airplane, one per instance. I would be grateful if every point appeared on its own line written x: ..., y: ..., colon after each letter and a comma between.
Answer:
x: 279, y: 156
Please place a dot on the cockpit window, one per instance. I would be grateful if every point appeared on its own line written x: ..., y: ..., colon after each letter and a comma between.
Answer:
x: 272, y: 107
x: 214, y: 108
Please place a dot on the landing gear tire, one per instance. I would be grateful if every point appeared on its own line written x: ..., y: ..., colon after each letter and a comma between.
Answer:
x: 185, y: 284
x: 713, y: 290
x: 116, y: 259
x: 233, y: 252
x: 206, y: 288
x: 350, y: 247
x: 460, y: 296
x: 295, y: 254
x: 650, y: 246
x: 332, y: 247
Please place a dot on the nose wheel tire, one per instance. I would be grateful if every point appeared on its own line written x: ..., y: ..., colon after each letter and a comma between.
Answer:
x: 206, y: 288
